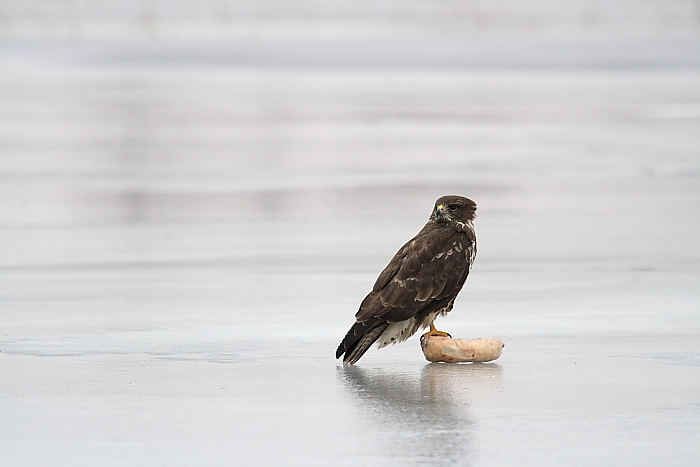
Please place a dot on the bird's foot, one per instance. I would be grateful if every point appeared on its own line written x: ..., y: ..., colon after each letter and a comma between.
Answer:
x: 437, y: 334
x: 434, y: 332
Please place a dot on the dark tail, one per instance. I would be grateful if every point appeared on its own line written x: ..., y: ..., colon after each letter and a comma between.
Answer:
x: 359, y: 339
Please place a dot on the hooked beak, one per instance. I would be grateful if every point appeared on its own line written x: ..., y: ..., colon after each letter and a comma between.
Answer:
x: 441, y: 211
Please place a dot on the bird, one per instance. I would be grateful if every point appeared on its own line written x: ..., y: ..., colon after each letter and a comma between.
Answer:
x: 419, y: 284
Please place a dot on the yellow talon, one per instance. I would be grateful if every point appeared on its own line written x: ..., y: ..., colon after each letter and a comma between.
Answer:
x: 434, y: 332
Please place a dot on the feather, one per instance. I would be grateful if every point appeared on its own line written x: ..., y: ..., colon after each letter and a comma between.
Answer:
x: 353, y: 354
x: 419, y: 283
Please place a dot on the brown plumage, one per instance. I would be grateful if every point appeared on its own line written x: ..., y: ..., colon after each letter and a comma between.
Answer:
x: 420, y: 282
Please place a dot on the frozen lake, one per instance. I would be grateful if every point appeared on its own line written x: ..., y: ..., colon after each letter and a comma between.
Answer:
x: 184, y: 242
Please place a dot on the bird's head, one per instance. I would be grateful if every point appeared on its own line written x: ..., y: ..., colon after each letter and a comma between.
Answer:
x: 454, y: 208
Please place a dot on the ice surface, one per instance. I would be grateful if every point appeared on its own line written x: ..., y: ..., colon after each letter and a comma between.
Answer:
x: 183, y: 246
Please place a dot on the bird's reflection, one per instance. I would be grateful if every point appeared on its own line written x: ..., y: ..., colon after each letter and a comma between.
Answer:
x: 420, y: 417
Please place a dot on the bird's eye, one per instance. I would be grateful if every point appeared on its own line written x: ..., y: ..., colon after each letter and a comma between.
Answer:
x: 453, y: 207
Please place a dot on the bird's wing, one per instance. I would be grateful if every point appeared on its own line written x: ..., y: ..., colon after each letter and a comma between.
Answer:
x: 429, y: 267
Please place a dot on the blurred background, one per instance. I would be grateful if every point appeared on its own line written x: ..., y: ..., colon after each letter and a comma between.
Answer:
x: 180, y: 178
x: 135, y: 112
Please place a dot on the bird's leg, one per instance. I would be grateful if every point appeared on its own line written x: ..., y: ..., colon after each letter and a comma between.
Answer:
x: 434, y: 332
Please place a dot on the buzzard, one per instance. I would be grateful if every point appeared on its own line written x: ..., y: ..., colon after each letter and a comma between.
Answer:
x: 420, y: 282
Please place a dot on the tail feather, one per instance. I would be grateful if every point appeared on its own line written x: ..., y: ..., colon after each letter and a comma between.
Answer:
x: 354, y: 347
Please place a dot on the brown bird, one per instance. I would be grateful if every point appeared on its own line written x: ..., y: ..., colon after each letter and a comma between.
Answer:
x: 420, y: 282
